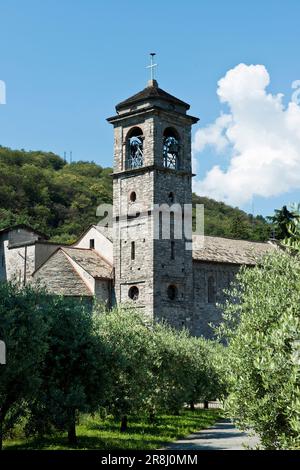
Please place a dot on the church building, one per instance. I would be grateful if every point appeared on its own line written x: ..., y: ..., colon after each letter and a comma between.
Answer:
x: 158, y: 267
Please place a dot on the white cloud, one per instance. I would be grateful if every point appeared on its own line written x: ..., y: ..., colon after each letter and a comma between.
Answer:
x: 260, y: 134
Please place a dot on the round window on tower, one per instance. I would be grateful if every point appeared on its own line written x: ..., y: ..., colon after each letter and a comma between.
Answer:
x: 133, y: 293
x: 172, y: 292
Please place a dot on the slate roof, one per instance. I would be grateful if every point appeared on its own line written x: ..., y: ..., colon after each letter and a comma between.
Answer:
x: 226, y: 250
x: 90, y: 261
x: 106, y: 231
x: 24, y: 227
x: 151, y: 93
x: 59, y: 277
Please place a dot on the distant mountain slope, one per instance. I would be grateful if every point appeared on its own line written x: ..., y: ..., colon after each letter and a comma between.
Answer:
x: 40, y: 189
x: 60, y: 199
x: 225, y: 221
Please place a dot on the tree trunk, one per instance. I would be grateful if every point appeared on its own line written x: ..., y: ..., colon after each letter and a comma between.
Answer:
x: 3, y: 412
x: 124, y: 424
x: 72, y: 438
x: 1, y: 432
x: 205, y: 404
x: 192, y: 406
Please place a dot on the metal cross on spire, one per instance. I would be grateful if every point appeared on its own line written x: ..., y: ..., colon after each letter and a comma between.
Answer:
x: 152, y: 65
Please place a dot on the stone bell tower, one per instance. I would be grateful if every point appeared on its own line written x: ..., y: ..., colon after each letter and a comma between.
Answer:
x: 152, y: 167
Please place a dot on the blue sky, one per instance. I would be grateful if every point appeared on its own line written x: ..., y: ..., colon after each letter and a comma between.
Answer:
x: 66, y: 63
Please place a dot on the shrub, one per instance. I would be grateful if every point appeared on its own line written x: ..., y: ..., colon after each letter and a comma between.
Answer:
x: 261, y: 325
x: 23, y: 328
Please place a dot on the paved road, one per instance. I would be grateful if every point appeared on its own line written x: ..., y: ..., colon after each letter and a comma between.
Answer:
x: 222, y: 436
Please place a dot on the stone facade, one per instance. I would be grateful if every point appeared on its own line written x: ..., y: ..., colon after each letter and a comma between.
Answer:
x: 63, y: 277
x: 209, y: 282
x: 77, y: 272
x: 169, y: 276
x: 158, y: 264
x: 98, y: 239
x: 197, y: 277
x: 22, y: 251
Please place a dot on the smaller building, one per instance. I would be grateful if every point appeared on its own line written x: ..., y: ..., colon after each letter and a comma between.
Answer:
x: 82, y: 270
x: 22, y: 250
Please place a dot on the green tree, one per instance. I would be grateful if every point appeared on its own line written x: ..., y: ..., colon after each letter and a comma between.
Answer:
x: 154, y: 367
x: 73, y: 372
x: 280, y: 222
x: 174, y: 376
x: 238, y: 228
x: 128, y: 340
x: 24, y: 330
x: 261, y: 326
x: 187, y: 371
x: 222, y: 220
x: 207, y: 369
x: 65, y: 197
x: 292, y: 240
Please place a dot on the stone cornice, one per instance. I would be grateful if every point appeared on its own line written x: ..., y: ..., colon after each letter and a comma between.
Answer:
x: 149, y: 168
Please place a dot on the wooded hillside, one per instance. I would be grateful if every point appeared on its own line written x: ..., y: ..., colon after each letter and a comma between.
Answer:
x: 60, y: 199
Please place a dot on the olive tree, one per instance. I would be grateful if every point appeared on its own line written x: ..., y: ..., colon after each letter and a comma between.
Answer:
x: 73, y: 372
x: 207, y: 366
x: 173, y: 374
x: 23, y: 328
x: 187, y: 371
x: 127, y: 338
x: 262, y: 328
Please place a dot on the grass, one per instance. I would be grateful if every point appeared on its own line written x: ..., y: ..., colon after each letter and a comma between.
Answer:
x: 94, y: 433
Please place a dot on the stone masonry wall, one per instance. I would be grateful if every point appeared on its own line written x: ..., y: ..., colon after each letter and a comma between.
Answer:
x: 15, y: 263
x: 152, y: 270
x: 203, y: 311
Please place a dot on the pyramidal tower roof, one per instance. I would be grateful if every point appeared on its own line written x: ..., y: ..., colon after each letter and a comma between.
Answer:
x: 151, y: 93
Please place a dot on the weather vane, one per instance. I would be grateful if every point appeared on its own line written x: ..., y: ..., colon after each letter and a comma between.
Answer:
x: 152, y: 65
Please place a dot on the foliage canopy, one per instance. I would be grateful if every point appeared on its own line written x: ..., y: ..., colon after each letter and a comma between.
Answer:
x: 261, y: 326
x: 60, y: 199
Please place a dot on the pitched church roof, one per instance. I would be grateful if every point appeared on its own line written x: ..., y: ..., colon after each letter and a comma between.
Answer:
x: 59, y: 277
x: 230, y: 251
x: 151, y: 92
x: 90, y: 261
x: 62, y: 271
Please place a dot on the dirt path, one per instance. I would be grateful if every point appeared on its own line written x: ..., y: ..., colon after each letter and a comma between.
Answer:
x: 222, y: 436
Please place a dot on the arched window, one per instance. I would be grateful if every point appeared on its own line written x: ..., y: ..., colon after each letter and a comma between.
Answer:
x: 211, y: 290
x: 171, y: 197
x: 132, y: 196
x: 171, y: 148
x: 172, y: 249
x: 135, y: 152
x: 172, y: 292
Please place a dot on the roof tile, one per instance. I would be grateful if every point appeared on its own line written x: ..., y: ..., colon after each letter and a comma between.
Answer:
x: 225, y: 250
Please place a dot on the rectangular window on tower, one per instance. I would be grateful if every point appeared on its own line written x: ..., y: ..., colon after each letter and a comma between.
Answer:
x: 92, y: 244
x: 172, y: 249
x: 132, y: 251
